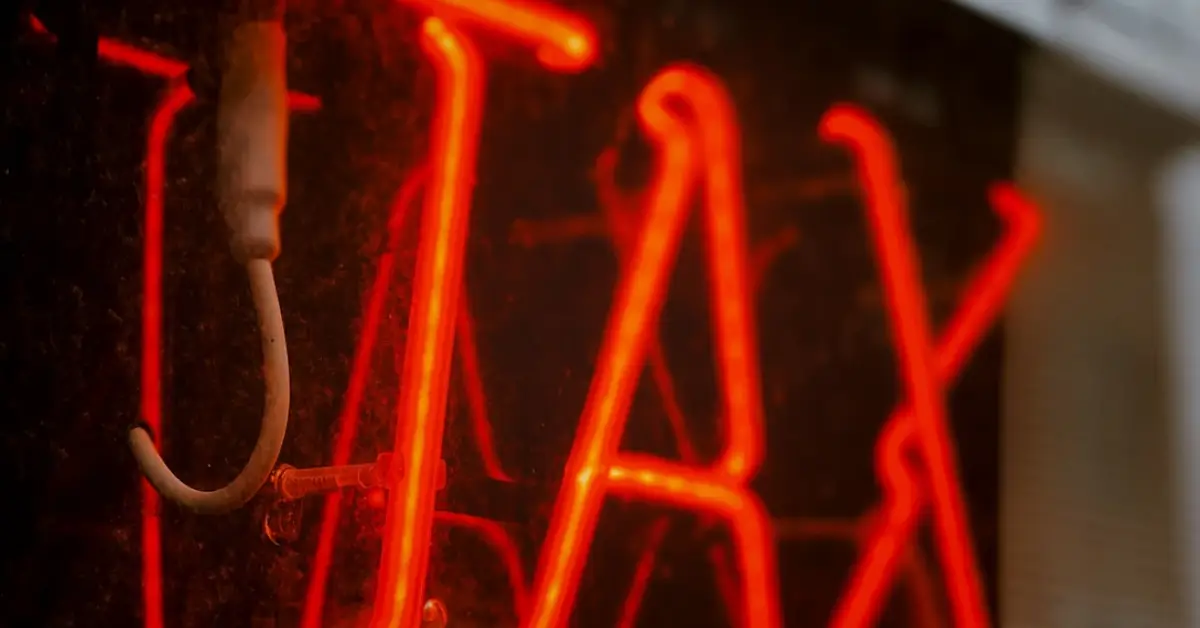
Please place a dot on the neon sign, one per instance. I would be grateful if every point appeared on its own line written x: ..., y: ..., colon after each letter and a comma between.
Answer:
x: 698, y: 148
x: 703, y: 149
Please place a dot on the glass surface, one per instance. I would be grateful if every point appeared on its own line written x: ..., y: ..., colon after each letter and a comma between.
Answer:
x: 554, y: 211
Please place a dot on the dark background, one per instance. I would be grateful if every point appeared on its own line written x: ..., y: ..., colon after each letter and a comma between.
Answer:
x: 71, y: 194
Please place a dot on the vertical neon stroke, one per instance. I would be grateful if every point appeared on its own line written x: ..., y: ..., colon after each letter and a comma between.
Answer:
x: 476, y: 398
x: 348, y: 420
x: 436, y: 286
x: 360, y: 367
x: 177, y: 97
x: 563, y: 43
x: 494, y: 535
x: 567, y: 44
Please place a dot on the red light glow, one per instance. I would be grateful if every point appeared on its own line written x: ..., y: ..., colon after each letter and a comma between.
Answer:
x: 347, y: 425
x: 177, y: 97
x: 703, y: 149
x: 348, y: 420
x: 925, y: 369
x: 562, y: 44
x: 436, y: 286
x: 905, y: 297
x: 563, y: 41
x: 884, y: 538
x: 698, y: 150
x: 150, y: 63
x: 495, y: 536
x: 903, y: 498
x: 622, y: 213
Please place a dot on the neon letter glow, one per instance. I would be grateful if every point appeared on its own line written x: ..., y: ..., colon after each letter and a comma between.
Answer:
x: 704, y: 147
x: 903, y: 499
x: 426, y: 373
x: 563, y: 43
x: 700, y: 148
x: 925, y: 370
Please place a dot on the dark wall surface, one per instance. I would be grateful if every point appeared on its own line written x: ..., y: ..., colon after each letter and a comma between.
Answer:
x: 71, y: 221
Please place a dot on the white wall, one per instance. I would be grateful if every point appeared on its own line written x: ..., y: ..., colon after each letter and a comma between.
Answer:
x: 1094, y: 493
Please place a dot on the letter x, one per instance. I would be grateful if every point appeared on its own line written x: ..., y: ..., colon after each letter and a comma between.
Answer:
x: 926, y: 369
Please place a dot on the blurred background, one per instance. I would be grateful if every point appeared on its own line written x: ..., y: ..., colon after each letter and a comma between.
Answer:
x: 1073, y: 420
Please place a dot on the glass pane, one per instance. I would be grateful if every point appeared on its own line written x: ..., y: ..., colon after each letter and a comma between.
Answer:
x: 561, y: 201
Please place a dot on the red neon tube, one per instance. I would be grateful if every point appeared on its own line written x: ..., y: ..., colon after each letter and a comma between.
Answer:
x: 905, y: 297
x: 406, y: 198
x: 424, y: 382
x: 981, y: 305
x: 177, y: 97
x: 564, y: 43
x: 702, y: 149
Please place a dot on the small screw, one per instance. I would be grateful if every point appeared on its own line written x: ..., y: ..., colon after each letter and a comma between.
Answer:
x: 434, y: 614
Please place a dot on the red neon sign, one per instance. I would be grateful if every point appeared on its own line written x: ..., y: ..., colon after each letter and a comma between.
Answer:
x: 562, y: 43
x: 151, y: 403
x: 347, y: 425
x: 884, y: 537
x: 698, y: 148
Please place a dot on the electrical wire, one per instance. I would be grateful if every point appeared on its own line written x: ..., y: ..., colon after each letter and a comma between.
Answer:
x: 274, y: 423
